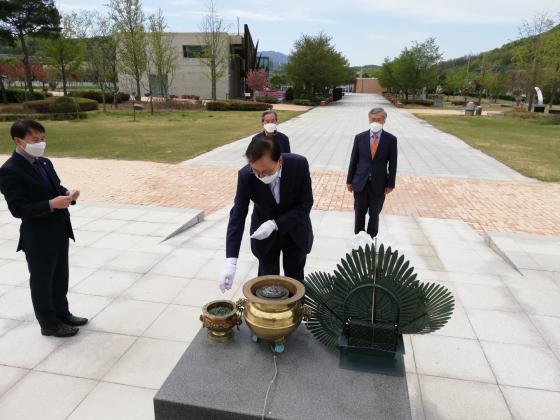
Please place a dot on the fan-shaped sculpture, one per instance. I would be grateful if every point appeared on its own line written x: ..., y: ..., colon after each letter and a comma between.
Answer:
x: 371, y: 299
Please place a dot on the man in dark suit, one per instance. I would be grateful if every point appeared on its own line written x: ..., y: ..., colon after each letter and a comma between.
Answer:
x: 372, y: 171
x: 34, y: 194
x: 270, y: 123
x: 279, y: 185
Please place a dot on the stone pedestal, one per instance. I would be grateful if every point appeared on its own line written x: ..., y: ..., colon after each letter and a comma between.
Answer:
x: 229, y: 381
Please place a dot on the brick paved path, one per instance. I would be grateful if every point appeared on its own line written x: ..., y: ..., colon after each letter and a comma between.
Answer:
x: 509, y: 206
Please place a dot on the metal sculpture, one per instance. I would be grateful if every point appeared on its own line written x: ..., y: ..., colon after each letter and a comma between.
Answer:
x: 373, y: 297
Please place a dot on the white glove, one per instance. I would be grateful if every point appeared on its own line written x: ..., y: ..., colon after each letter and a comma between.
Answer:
x: 360, y: 240
x: 226, y: 279
x: 265, y: 230
x: 74, y: 194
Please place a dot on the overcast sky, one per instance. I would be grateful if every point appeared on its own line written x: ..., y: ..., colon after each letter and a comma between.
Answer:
x: 365, y: 31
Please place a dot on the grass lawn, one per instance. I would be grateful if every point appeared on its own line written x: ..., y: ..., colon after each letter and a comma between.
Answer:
x: 163, y: 137
x: 530, y: 146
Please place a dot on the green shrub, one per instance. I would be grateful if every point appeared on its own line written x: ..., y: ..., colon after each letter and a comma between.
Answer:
x: 267, y: 99
x: 507, y: 97
x: 68, y: 116
x: 60, y: 105
x: 305, y: 102
x: 63, y: 105
x: 316, y: 100
x: 236, y: 105
x: 97, y: 96
x: 289, y: 95
x: 18, y: 96
x: 40, y: 107
x: 425, y: 102
x: 12, y: 109
x: 57, y: 117
x: 87, y: 104
x: 337, y: 94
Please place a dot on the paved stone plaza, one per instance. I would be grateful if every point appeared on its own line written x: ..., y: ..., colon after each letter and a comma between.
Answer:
x: 499, y: 356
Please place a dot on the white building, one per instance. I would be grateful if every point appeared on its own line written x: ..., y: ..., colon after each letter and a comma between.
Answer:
x: 192, y: 77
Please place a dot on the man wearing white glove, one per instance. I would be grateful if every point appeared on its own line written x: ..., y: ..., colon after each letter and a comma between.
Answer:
x: 279, y: 185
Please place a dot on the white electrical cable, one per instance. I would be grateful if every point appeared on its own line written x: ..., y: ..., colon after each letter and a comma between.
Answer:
x: 270, y: 384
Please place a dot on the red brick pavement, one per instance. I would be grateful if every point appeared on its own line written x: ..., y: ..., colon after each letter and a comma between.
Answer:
x: 509, y: 206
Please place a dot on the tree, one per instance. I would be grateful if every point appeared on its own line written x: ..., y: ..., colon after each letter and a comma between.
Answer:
x: 65, y: 52
x: 413, y: 70
x: 455, y: 80
x: 102, y: 57
x: 22, y: 18
x: 493, y: 82
x: 214, y: 38
x: 278, y: 79
x: 552, y: 63
x: 256, y: 80
x: 532, y: 52
x: 131, y: 41
x: 161, y: 53
x: 315, y: 67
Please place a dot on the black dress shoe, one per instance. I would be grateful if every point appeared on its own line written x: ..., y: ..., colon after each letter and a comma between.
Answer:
x: 61, y: 330
x: 74, y: 321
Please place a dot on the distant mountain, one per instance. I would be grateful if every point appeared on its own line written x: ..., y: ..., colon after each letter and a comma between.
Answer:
x: 366, y: 69
x: 276, y: 57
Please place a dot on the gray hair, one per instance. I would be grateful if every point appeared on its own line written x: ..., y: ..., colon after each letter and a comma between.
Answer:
x: 270, y: 111
x: 377, y: 110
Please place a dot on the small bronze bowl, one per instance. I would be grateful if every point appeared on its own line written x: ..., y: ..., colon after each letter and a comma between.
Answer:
x: 220, y: 316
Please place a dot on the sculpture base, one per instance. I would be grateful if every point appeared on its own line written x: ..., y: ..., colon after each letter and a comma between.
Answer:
x: 229, y: 381
x: 539, y: 108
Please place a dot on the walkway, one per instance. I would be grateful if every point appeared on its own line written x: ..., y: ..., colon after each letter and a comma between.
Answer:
x: 325, y: 136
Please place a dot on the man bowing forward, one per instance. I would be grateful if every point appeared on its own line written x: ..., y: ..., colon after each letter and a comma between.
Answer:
x: 279, y: 185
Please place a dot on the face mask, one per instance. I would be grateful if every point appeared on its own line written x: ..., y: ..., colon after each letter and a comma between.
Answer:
x: 35, y: 149
x: 270, y: 178
x: 375, y: 127
x: 270, y: 127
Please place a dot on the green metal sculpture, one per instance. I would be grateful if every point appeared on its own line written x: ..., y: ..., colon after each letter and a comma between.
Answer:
x: 371, y: 300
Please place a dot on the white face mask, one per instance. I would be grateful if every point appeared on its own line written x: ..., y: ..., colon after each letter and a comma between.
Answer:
x: 269, y: 127
x: 376, y: 127
x: 36, y: 149
x: 270, y: 178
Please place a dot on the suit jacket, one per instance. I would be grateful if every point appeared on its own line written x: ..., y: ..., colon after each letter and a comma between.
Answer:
x: 28, y: 199
x: 382, y: 170
x: 282, y: 140
x: 291, y: 215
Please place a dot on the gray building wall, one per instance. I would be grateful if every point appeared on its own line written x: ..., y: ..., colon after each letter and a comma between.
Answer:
x: 193, y: 77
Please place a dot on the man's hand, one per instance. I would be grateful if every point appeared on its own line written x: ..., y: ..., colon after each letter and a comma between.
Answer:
x: 226, y: 279
x: 349, y: 187
x: 61, y: 202
x: 388, y: 190
x: 265, y: 230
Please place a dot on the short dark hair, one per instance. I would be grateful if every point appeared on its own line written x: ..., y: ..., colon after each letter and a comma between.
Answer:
x: 261, y: 146
x: 22, y: 127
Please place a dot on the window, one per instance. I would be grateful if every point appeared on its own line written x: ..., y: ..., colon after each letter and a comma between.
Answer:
x: 192, y: 51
